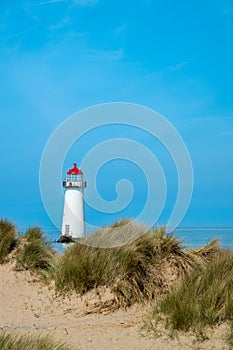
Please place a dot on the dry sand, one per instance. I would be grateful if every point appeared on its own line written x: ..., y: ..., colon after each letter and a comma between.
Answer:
x: 28, y: 306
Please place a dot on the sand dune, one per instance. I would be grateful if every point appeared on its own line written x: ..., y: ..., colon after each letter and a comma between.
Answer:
x: 28, y: 306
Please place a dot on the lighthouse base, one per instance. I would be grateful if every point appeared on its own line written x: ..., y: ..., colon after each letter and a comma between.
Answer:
x: 65, y: 239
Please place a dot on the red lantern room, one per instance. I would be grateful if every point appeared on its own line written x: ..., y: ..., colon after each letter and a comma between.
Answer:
x: 75, y: 171
x: 74, y: 178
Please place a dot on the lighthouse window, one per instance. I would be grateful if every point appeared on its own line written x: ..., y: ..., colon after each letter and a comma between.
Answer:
x: 67, y: 230
x: 73, y: 178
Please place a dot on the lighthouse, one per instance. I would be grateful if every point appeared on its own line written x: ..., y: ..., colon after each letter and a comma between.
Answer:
x: 73, y: 224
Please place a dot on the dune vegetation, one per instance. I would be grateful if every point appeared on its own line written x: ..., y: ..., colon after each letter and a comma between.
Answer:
x: 7, y: 239
x: 188, y: 289
x: 137, y: 272
x: 34, y: 252
x: 204, y: 297
x: 12, y: 341
x: 134, y: 272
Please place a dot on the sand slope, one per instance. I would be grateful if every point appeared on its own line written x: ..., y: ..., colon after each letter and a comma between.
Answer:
x: 28, y: 306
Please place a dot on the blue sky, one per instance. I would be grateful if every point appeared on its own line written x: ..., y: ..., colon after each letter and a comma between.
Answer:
x: 60, y: 56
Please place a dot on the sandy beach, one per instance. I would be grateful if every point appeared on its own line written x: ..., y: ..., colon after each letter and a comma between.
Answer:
x: 30, y: 307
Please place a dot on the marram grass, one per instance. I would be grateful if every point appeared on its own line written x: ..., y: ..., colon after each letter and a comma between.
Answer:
x: 204, y: 297
x: 120, y: 233
x: 13, y: 341
x: 229, y: 337
x: 34, y: 254
x: 135, y: 272
x: 32, y: 251
x: 34, y: 233
x: 7, y: 239
x: 191, y: 289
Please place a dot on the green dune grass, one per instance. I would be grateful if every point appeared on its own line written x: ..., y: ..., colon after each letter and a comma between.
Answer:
x: 135, y: 272
x: 12, y: 341
x: 190, y: 289
x: 34, y: 253
x: 7, y: 239
x: 204, y: 297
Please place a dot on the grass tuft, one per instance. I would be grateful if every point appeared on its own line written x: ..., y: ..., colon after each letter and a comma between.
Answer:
x: 34, y: 233
x: 35, y: 253
x: 121, y: 222
x: 229, y: 337
x: 118, y: 234
x: 204, y: 297
x: 7, y: 239
x: 10, y: 341
x: 134, y: 272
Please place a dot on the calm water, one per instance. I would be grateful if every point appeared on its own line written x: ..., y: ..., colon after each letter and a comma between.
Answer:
x: 197, y: 237
x: 192, y: 237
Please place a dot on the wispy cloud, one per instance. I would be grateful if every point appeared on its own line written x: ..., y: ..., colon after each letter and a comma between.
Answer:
x: 120, y: 28
x: 177, y: 67
x: 41, y: 3
x: 113, y: 55
x: 226, y: 133
x: 74, y: 2
x: 213, y: 119
x: 174, y: 68
x: 66, y: 21
x: 85, y: 2
x: 229, y: 10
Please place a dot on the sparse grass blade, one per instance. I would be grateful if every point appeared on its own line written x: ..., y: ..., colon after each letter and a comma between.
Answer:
x: 34, y: 233
x: 229, y: 337
x: 12, y: 341
x: 35, y: 253
x: 7, y: 239
x: 118, y: 234
x: 204, y: 297
x: 134, y: 272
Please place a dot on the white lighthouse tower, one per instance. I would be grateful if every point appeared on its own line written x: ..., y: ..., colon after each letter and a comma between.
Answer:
x: 73, y: 224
